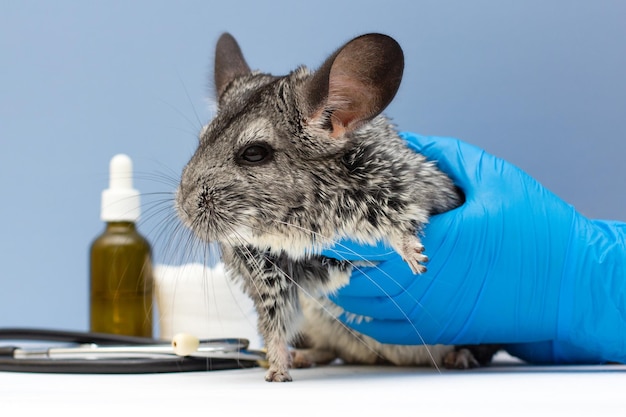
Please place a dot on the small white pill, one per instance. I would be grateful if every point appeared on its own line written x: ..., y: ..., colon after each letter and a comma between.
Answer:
x: 185, y: 344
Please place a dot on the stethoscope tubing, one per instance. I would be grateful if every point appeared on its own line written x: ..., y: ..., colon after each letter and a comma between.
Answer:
x: 70, y: 336
x: 103, y: 353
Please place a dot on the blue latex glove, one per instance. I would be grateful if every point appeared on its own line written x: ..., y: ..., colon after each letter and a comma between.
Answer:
x: 513, y: 265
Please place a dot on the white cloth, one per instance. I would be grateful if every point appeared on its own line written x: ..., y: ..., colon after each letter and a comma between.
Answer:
x: 204, y: 302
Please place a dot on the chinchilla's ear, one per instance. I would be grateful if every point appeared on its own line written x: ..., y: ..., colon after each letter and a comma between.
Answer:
x: 229, y: 63
x: 355, y: 84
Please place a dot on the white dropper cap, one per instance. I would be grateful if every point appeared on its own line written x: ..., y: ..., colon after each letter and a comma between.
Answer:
x: 120, y: 202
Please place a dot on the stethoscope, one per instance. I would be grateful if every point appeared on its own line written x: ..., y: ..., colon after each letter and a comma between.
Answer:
x: 98, y: 353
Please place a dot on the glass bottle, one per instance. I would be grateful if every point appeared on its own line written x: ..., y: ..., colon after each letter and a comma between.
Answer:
x: 121, y: 282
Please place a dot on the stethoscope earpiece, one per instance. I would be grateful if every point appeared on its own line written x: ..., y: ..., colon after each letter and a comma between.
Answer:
x: 185, y: 344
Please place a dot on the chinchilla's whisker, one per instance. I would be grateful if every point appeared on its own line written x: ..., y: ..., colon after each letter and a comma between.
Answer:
x: 249, y: 256
x: 169, y: 179
x: 185, y: 117
x: 193, y: 107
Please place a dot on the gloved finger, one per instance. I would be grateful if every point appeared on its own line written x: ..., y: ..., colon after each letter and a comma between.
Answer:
x: 389, y: 331
x: 380, y: 281
x: 348, y: 250
x: 402, y: 305
x: 384, y: 279
x: 438, y: 293
x: 389, y: 274
x: 430, y: 301
x: 393, y: 276
x: 415, y: 332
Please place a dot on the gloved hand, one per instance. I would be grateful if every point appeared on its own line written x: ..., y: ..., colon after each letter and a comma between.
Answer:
x: 513, y: 265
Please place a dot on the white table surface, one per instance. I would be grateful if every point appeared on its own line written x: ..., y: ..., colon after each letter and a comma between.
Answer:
x: 504, y: 389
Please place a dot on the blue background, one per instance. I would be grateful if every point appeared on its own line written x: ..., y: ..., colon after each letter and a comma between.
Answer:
x: 539, y: 83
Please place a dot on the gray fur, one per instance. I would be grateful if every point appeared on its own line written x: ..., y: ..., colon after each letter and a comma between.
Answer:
x: 335, y: 168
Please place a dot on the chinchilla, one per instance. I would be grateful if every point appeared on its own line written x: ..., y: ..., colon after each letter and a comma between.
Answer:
x: 292, y: 164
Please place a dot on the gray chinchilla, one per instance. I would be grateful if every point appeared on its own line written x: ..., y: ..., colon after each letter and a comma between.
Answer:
x: 290, y: 165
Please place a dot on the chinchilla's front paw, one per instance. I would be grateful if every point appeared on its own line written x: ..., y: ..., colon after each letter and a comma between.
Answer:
x: 412, y: 252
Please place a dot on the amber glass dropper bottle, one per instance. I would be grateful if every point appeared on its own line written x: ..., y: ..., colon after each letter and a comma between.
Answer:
x: 121, y: 284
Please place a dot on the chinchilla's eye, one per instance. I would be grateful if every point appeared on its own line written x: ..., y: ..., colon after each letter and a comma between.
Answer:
x: 255, y: 154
